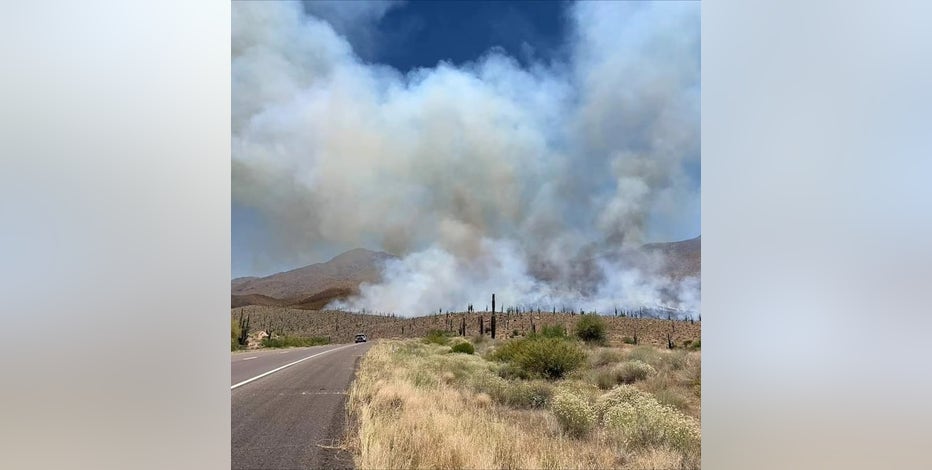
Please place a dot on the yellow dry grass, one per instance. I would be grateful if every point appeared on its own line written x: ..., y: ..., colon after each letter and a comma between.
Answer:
x: 417, y: 406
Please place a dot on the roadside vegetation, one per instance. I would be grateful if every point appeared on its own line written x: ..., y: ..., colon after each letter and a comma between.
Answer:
x: 293, y: 342
x: 240, y: 340
x: 545, y: 400
x: 235, y: 332
x: 342, y: 327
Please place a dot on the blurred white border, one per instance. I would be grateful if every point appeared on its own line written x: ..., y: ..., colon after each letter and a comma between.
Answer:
x: 816, y: 228
x: 115, y: 190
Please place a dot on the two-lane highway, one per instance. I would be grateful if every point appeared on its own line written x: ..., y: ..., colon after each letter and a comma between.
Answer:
x: 288, y: 406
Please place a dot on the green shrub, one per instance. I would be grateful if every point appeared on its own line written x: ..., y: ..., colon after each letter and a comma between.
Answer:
x: 632, y: 371
x: 293, y: 341
x: 573, y: 413
x: 437, y: 337
x: 591, y: 328
x: 522, y: 394
x: 508, y: 350
x: 628, y: 340
x: 697, y: 344
x: 466, y: 348
x: 511, y: 371
x: 605, y: 356
x: 554, y: 331
x: 550, y: 358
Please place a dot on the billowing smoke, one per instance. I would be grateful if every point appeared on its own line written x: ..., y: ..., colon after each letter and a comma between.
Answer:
x: 535, y: 182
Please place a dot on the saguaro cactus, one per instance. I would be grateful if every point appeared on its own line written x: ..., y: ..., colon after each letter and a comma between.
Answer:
x: 493, y: 325
x: 243, y: 329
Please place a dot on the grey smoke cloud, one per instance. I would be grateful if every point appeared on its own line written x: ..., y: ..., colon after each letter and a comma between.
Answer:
x: 483, y: 177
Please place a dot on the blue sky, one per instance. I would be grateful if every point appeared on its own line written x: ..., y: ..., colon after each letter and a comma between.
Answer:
x: 421, y: 34
x: 405, y: 45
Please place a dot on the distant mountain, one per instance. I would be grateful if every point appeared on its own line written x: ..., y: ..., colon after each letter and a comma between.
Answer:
x: 683, y: 258
x: 675, y: 260
x: 312, y: 286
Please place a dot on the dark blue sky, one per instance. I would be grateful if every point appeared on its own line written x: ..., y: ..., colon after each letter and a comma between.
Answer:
x: 422, y: 33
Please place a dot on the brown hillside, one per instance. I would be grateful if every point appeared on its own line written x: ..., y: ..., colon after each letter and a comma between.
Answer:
x: 345, y: 271
x: 256, y: 299
x: 684, y: 258
x: 321, y: 299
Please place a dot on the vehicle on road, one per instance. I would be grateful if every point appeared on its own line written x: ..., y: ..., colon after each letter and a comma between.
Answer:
x: 361, y: 338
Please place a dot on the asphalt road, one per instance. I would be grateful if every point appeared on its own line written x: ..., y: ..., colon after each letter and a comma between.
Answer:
x: 288, y: 418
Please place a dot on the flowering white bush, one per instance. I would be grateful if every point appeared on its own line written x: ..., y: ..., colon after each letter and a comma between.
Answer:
x: 615, y: 396
x: 633, y: 371
x: 574, y: 414
x: 643, y: 422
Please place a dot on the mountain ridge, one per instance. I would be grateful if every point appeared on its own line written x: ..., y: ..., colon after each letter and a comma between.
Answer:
x: 315, y: 285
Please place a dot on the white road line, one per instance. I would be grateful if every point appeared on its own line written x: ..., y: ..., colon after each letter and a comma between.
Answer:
x: 289, y: 365
x: 248, y: 358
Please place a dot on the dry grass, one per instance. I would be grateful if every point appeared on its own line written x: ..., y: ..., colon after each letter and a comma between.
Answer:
x: 418, y: 406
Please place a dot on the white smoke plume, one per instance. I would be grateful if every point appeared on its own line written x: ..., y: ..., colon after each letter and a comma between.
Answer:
x: 483, y: 177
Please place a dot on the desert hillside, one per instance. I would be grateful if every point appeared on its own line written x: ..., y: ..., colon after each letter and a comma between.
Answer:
x: 311, y: 286
x: 683, y: 258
